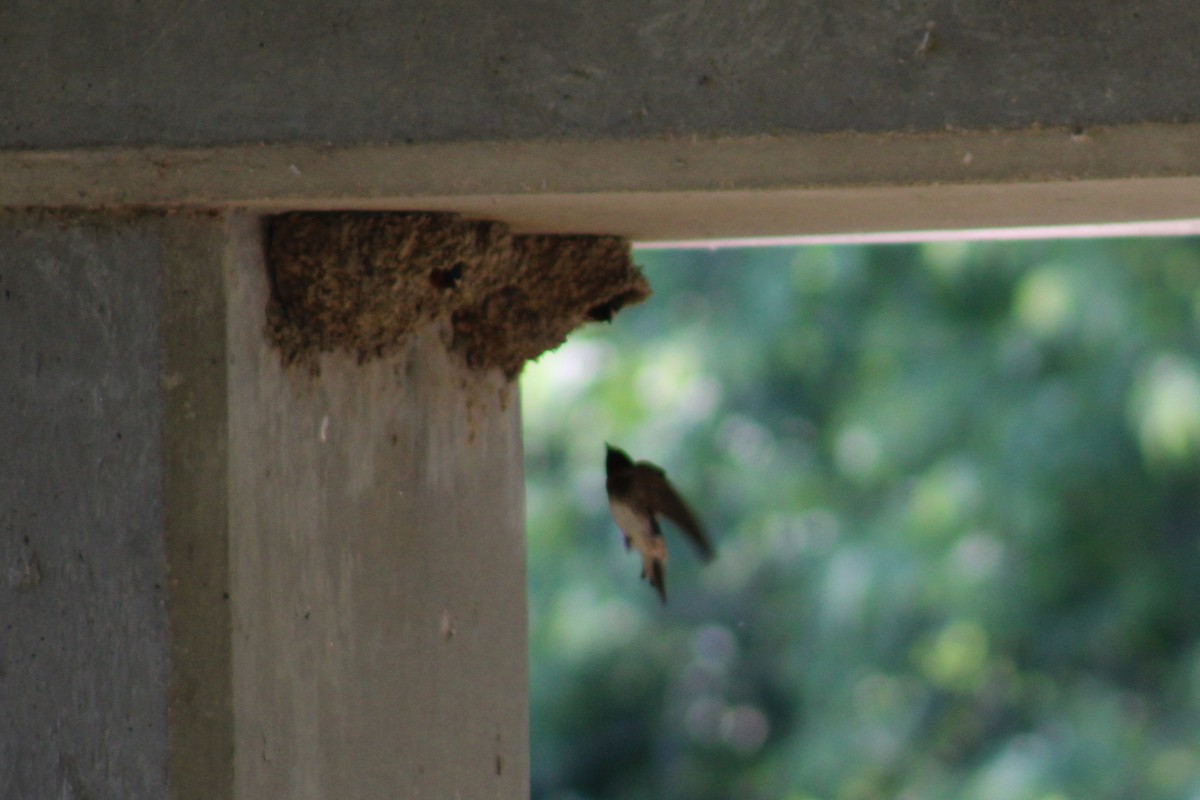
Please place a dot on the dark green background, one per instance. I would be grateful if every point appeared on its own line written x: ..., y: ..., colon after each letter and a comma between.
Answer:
x: 953, y: 489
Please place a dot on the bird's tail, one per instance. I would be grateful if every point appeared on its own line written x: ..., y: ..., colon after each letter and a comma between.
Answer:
x: 657, y: 575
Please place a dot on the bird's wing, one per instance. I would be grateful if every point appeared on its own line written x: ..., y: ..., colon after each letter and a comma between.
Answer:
x: 663, y: 499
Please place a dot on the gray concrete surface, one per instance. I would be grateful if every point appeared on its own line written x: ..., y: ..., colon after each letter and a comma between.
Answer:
x: 378, y: 569
x: 83, y: 621
x: 671, y: 188
x: 184, y: 72
x: 664, y: 120
x: 223, y: 579
x: 196, y: 532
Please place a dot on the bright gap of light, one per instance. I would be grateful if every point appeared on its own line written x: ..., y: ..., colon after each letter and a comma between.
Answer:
x: 1178, y: 227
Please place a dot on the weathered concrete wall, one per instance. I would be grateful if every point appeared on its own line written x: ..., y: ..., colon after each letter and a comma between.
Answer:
x: 224, y: 579
x: 83, y: 621
x: 188, y: 73
x: 378, y: 569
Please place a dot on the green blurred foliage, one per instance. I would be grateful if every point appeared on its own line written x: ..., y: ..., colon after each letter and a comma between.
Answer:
x: 954, y: 493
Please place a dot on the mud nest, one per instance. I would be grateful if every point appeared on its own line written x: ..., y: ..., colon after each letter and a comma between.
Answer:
x: 363, y: 282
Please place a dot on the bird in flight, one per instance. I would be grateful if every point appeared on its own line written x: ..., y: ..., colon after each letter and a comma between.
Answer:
x: 637, y: 494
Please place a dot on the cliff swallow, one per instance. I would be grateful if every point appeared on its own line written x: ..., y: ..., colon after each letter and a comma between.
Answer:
x: 637, y: 494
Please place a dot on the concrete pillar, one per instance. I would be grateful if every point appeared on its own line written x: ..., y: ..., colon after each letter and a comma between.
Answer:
x: 84, y: 662
x: 228, y: 579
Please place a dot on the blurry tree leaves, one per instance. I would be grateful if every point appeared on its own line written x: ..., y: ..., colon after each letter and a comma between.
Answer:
x: 954, y: 490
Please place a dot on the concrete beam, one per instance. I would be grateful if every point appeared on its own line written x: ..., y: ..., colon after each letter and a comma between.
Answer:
x: 671, y: 120
x: 182, y: 73
x: 661, y: 189
x: 228, y: 579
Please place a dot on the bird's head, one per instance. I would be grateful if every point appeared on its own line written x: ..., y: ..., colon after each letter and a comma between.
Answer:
x: 616, y: 459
